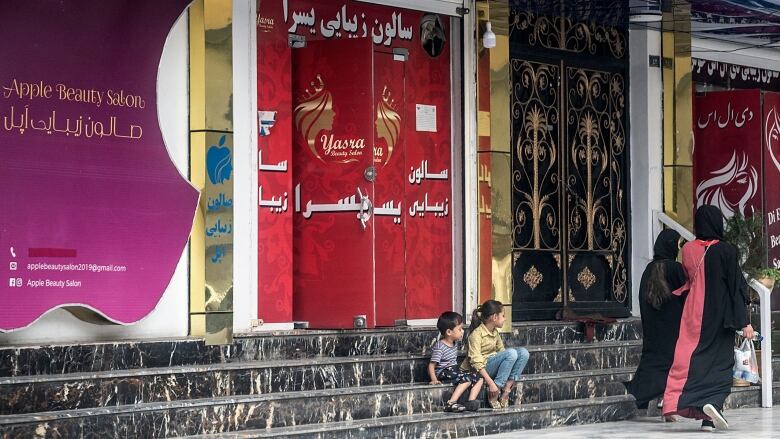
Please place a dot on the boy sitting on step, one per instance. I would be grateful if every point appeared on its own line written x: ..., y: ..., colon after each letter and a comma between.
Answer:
x: 444, y: 359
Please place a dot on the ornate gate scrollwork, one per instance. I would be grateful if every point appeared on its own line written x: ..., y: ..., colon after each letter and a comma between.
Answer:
x: 569, y: 169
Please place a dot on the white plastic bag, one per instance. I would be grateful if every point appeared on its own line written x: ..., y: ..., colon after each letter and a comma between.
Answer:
x: 745, y: 364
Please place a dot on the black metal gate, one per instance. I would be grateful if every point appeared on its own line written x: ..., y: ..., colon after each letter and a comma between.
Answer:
x: 569, y: 104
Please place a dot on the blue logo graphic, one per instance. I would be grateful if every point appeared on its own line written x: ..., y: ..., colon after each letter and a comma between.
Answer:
x: 218, y: 162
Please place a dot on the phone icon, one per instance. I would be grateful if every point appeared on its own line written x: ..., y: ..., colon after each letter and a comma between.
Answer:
x: 13, y: 253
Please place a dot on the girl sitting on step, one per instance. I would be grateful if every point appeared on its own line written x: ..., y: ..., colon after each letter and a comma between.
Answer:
x: 499, y: 366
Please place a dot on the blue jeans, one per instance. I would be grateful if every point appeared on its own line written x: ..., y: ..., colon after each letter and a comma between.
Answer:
x: 507, y: 365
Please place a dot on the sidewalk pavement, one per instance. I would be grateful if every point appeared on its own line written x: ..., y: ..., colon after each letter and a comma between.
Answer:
x: 751, y: 423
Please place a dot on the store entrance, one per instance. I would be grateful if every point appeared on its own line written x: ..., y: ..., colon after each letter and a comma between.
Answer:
x: 348, y: 170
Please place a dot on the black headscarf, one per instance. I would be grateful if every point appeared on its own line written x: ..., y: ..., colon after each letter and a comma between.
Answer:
x: 666, y: 245
x: 708, y: 223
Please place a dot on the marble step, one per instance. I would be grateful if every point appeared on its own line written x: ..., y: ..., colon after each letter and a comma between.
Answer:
x: 740, y: 397
x: 101, y: 389
x: 94, y: 357
x: 440, y: 425
x: 446, y: 425
x: 212, y: 415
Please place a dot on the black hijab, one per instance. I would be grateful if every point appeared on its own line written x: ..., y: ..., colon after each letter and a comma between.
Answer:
x: 666, y: 245
x: 708, y: 223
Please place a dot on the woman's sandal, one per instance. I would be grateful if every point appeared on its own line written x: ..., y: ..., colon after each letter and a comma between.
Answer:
x: 496, y: 404
x: 454, y: 407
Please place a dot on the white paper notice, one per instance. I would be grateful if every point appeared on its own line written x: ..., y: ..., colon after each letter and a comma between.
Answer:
x: 426, y: 118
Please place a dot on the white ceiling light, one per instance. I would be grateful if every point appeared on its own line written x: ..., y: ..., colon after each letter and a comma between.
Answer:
x: 488, y: 38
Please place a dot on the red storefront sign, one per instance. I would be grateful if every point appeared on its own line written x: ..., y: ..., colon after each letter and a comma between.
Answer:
x: 771, y: 125
x: 727, y: 155
x: 370, y: 118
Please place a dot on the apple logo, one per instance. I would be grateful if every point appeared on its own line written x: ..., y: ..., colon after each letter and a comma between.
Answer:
x: 218, y: 162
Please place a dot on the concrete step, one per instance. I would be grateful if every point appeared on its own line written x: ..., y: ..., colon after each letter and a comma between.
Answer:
x: 220, y: 414
x: 32, y: 394
x: 95, y: 357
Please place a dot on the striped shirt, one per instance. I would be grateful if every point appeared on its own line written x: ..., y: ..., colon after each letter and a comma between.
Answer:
x: 444, y: 356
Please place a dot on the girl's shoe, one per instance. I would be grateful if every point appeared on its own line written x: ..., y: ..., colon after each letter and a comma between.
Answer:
x: 495, y: 404
x: 454, y: 407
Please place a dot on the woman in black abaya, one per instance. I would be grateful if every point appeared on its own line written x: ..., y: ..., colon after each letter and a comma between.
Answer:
x: 700, y: 377
x: 661, y: 311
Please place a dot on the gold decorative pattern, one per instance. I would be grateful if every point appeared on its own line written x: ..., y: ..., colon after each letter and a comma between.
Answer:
x: 589, y: 170
x: 535, y: 178
x: 570, y: 142
x: 586, y: 278
x: 388, y: 122
x: 314, y: 113
x: 562, y: 33
x: 533, y: 278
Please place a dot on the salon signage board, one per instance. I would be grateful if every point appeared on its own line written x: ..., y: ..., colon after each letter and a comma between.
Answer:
x: 93, y: 212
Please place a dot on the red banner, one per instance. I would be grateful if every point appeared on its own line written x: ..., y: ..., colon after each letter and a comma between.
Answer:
x: 727, y: 154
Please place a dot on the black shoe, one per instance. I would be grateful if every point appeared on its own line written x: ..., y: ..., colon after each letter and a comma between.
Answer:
x: 707, y: 426
x: 454, y: 407
x: 472, y: 406
x: 716, y: 416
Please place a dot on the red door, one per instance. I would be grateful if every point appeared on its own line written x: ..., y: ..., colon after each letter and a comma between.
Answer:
x: 333, y: 222
x: 389, y: 159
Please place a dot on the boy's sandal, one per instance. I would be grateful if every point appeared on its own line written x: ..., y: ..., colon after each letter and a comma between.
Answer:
x: 454, y: 407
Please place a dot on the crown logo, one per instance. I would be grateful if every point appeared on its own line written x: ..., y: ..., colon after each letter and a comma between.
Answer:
x: 314, y: 90
x: 387, y: 99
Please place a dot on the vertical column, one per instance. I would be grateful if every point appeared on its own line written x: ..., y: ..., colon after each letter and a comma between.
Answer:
x: 211, y: 170
x: 646, y: 142
x: 494, y: 157
x: 678, y: 117
x: 245, y: 126
x: 470, y: 195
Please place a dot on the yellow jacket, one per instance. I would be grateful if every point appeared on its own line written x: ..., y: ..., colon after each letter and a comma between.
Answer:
x: 483, y: 344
